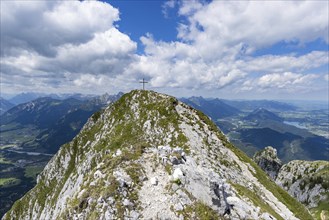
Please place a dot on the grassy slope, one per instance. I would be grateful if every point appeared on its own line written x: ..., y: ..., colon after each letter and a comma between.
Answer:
x: 294, y: 206
x: 122, y: 108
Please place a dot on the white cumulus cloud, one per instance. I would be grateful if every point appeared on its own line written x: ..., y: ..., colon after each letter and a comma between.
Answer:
x: 75, y: 45
x: 255, y: 23
x: 217, y: 41
x: 280, y: 82
x: 41, y: 26
x: 284, y: 80
x: 281, y: 63
x: 58, y: 44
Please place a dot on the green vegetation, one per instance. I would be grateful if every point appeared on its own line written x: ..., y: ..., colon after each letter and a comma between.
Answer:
x: 3, y: 147
x: 158, y: 110
x: 7, y: 182
x: 226, y: 162
x: 113, y: 189
x: 97, y: 115
x: 126, y: 131
x: 201, y: 210
x: 293, y: 138
x: 298, y: 209
x: 13, y: 131
x: 212, y: 126
x: 11, y: 170
x: 177, y: 181
x: 315, y: 173
x: 43, y: 192
x: 204, y: 212
x: 32, y: 171
x: 321, y: 176
x: 18, y: 208
x: 256, y: 199
x: 168, y: 168
x: 54, y: 186
x: 135, y: 171
x: 4, y: 160
x: 50, y: 124
x: 127, y: 134
x: 323, y: 208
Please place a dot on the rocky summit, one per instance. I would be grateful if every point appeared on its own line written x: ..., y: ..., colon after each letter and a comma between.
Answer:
x: 268, y: 160
x: 149, y: 156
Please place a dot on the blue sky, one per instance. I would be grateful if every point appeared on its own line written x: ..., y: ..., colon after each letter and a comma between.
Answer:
x: 235, y: 49
x: 140, y: 17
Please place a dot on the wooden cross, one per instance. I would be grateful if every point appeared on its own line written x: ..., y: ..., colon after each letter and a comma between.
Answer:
x: 144, y: 82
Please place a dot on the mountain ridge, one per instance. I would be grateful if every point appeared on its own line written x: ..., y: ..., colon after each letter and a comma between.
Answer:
x: 5, y: 105
x: 251, y: 105
x: 52, y: 118
x: 214, y: 108
x: 149, y: 142
x: 31, y: 132
x: 30, y: 96
x: 262, y: 114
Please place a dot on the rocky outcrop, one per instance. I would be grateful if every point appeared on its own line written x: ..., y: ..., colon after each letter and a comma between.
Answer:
x: 268, y: 160
x: 308, y: 182
x: 149, y: 156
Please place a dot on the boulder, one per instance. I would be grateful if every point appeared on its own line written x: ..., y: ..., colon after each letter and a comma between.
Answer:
x: 154, y: 181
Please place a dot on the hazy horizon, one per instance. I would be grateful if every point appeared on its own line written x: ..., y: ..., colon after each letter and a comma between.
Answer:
x: 10, y: 96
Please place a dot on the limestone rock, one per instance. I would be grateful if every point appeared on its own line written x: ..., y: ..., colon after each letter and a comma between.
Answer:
x: 178, y: 174
x: 268, y: 160
x: 154, y: 181
x: 308, y: 182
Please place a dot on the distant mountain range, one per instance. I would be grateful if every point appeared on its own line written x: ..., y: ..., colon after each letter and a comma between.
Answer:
x: 290, y: 141
x: 261, y: 114
x: 214, y: 108
x: 263, y: 128
x: 5, y: 105
x: 289, y: 146
x: 251, y: 105
x: 30, y: 96
x: 251, y: 126
x: 47, y: 122
x: 8, y: 103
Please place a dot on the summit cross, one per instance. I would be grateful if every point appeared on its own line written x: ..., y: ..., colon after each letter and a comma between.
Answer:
x: 144, y: 82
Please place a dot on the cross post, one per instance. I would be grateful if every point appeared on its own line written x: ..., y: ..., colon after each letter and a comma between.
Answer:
x: 144, y: 82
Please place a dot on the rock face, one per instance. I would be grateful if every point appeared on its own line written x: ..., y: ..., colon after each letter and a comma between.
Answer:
x: 308, y: 182
x: 149, y: 156
x: 268, y: 160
